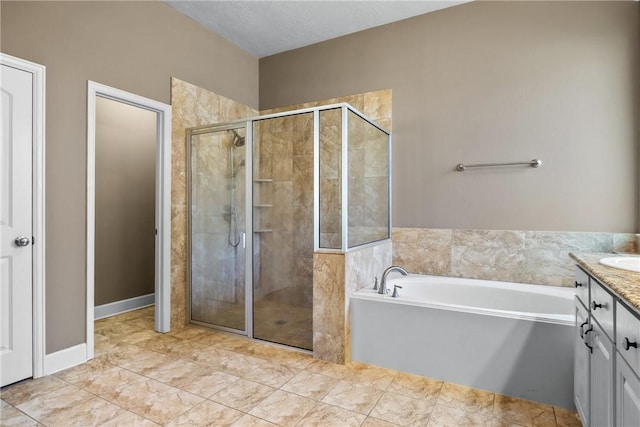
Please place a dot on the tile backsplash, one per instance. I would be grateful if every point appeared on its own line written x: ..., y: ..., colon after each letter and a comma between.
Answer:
x: 537, y: 257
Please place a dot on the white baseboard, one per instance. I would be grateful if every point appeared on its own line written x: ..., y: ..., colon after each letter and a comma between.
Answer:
x: 64, y: 359
x: 119, y: 307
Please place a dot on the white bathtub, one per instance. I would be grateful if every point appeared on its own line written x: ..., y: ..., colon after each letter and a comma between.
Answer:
x: 509, y: 338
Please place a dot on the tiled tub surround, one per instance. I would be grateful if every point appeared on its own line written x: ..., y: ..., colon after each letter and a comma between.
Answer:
x: 336, y: 277
x: 196, y: 376
x: 537, y: 257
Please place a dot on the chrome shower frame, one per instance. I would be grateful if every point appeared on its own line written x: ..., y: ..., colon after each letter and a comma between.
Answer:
x: 247, y: 124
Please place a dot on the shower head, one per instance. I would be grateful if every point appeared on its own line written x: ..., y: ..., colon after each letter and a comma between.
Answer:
x: 238, y: 141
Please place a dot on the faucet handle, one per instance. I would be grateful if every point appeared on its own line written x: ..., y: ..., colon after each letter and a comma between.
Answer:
x: 395, y: 293
x: 375, y: 283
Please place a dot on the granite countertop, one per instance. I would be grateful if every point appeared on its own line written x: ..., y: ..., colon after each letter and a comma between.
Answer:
x: 626, y: 284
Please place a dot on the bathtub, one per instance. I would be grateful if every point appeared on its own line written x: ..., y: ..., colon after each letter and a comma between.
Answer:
x: 510, y: 338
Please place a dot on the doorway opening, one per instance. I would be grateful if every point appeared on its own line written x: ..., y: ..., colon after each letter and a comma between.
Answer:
x: 106, y: 105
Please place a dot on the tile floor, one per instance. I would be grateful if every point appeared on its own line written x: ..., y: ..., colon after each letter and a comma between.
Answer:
x: 199, y: 377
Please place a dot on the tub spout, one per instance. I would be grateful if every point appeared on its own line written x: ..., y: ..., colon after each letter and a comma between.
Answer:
x: 383, y: 281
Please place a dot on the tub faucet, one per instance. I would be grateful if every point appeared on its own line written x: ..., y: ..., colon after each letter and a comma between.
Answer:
x: 383, y: 281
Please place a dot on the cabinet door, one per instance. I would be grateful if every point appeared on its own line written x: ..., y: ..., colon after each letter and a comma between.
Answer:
x: 628, y: 396
x: 602, y: 377
x: 581, y: 365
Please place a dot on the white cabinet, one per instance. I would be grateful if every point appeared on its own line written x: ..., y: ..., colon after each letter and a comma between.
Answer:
x: 627, y: 396
x: 607, y: 356
x: 601, y: 378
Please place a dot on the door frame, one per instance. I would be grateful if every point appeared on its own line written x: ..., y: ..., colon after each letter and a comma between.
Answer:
x: 163, y: 202
x: 38, y: 199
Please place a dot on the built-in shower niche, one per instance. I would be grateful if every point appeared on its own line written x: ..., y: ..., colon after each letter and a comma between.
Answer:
x: 316, y: 180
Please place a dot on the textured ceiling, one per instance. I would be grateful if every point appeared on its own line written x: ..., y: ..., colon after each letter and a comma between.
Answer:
x: 267, y: 27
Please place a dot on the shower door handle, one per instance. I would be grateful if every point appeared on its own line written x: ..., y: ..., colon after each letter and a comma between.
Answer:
x: 244, y: 240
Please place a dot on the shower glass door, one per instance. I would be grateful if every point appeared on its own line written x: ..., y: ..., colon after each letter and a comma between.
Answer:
x: 217, y: 228
x: 283, y: 230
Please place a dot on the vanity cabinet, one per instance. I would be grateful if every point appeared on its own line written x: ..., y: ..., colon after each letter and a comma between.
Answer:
x: 607, y: 357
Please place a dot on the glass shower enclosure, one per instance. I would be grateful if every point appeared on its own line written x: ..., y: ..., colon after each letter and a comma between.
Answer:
x: 264, y: 195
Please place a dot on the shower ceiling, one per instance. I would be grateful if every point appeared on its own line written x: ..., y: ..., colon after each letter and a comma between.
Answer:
x: 267, y: 27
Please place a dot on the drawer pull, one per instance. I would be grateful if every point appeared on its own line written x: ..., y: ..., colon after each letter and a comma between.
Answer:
x: 594, y: 305
x: 578, y: 284
x: 585, y: 339
x: 626, y: 344
x: 581, y: 330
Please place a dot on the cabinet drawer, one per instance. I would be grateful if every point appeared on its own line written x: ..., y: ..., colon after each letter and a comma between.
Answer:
x: 581, y: 284
x: 628, y: 335
x: 601, y: 307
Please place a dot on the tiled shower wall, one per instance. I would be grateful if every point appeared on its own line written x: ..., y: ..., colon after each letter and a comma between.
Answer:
x: 537, y: 257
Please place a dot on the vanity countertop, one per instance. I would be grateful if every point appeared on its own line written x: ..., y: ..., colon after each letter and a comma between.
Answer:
x: 626, y: 284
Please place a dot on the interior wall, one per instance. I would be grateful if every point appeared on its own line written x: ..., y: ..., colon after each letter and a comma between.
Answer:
x: 495, y: 82
x: 125, y: 201
x: 134, y: 46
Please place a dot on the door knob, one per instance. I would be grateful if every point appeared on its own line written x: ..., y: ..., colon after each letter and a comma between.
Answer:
x: 22, y: 241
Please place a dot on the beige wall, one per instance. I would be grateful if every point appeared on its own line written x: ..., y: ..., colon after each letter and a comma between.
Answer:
x: 125, y: 201
x: 492, y: 82
x: 134, y: 46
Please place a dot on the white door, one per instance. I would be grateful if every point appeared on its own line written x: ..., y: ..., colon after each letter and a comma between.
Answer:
x: 16, y: 258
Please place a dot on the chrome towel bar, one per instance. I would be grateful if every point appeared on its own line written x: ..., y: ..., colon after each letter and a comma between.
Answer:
x: 535, y: 163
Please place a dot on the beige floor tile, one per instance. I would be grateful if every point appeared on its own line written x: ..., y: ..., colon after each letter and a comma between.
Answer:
x: 370, y: 375
x: 243, y: 395
x: 376, y: 422
x: 142, y: 322
x: 353, y: 397
x: 251, y: 421
x: 308, y: 384
x: 497, y: 422
x: 238, y: 364
x: 512, y: 410
x: 11, y: 417
x: 103, y: 345
x: 175, y: 370
x: 271, y: 374
x: 542, y: 415
x: 155, y: 400
x: 329, y: 369
x: 566, y: 418
x: 203, y: 382
x: 138, y: 359
x: 116, y: 330
x: 129, y: 419
x: 189, y: 333
x: 283, y: 408
x: 23, y: 391
x: 296, y: 360
x: 103, y: 383
x: 328, y: 415
x: 93, y: 412
x: 210, y: 355
x: 44, y: 405
x: 236, y: 344
x: 416, y: 387
x: 139, y: 336
x: 467, y: 399
x: 209, y: 414
x: 402, y: 410
x: 447, y: 416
